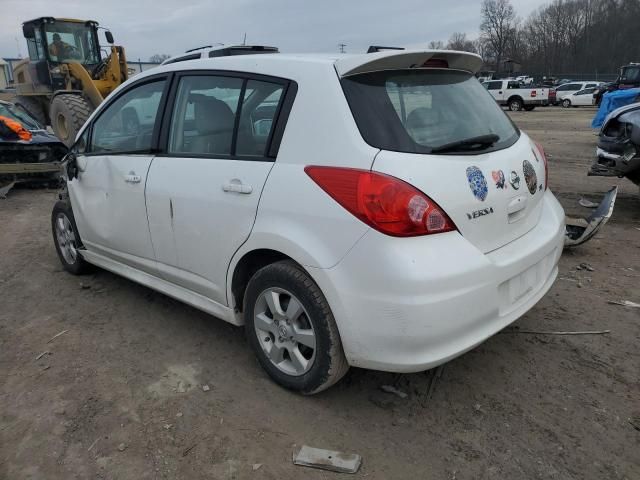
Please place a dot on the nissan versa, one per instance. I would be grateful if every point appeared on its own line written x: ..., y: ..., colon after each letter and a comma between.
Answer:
x: 374, y: 210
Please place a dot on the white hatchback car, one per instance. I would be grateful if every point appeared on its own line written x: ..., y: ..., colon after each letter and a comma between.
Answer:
x: 375, y: 210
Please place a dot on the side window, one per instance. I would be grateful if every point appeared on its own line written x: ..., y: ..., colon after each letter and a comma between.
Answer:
x: 591, y: 85
x: 495, y: 85
x: 204, y: 115
x: 35, y: 46
x: 259, y: 108
x: 127, y: 124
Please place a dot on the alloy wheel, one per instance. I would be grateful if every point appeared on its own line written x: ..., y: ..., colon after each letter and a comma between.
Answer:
x: 284, y: 331
x: 66, y: 239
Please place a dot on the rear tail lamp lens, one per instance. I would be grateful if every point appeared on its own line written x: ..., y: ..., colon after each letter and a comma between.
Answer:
x: 538, y: 151
x: 385, y: 203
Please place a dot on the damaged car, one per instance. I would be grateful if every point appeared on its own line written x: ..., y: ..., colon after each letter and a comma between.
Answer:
x: 28, y: 152
x: 618, y: 151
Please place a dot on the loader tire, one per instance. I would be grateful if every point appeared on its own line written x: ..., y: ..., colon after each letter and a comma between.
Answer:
x: 34, y: 107
x: 68, y: 113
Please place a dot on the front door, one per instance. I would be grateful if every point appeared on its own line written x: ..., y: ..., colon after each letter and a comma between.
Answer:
x: 203, y: 192
x: 108, y: 195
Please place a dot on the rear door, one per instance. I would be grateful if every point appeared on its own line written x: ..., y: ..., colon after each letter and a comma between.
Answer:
x: 583, y: 97
x: 495, y: 89
x: 203, y: 191
x: 491, y: 186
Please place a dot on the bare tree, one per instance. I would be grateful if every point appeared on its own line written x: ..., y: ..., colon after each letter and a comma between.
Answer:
x: 498, y: 26
x: 436, y: 45
x: 159, y: 57
x: 459, y: 41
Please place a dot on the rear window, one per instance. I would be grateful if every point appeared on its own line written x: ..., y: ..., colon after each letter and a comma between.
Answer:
x: 418, y: 111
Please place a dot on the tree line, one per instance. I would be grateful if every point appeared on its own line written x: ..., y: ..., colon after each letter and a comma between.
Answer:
x: 564, y: 36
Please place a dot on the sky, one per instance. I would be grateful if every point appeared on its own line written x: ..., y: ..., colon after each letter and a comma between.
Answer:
x: 146, y: 27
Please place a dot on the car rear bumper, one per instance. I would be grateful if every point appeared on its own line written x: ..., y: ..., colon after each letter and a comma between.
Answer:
x: 407, y: 305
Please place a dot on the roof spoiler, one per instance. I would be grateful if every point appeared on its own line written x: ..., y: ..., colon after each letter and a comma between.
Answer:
x: 377, y: 48
x: 405, y: 59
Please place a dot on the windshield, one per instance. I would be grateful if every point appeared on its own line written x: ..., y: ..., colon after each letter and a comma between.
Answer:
x: 420, y: 111
x: 20, y: 115
x: 71, y: 41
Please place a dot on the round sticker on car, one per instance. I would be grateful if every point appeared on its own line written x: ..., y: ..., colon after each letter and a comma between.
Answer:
x: 530, y: 177
x: 477, y: 183
x: 514, y: 180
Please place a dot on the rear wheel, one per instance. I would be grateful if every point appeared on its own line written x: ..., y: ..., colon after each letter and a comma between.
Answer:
x: 34, y: 107
x: 515, y: 104
x: 566, y: 103
x: 291, y: 329
x: 68, y: 113
x: 67, y: 239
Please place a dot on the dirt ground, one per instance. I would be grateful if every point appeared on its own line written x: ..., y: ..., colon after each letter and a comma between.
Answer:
x: 119, y: 394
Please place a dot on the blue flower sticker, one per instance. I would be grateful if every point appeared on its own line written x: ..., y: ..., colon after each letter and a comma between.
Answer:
x: 477, y: 183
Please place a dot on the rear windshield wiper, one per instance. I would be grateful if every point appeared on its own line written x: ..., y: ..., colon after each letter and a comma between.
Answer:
x: 473, y: 143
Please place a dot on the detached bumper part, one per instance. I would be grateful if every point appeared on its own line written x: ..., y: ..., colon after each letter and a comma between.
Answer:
x: 579, y: 231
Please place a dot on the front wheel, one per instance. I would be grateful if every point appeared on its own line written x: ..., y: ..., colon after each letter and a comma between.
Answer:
x: 291, y: 329
x: 566, y: 103
x: 67, y: 239
x: 68, y: 113
x: 515, y: 105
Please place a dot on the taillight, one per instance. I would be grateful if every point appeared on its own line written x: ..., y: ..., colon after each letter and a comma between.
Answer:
x: 546, y: 164
x: 534, y: 94
x: 385, y: 203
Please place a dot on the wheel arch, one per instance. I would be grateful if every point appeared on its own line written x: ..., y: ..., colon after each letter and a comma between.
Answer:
x: 515, y: 97
x: 244, y: 268
x: 246, y: 262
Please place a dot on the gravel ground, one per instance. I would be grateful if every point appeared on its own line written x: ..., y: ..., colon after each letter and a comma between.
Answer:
x: 119, y: 394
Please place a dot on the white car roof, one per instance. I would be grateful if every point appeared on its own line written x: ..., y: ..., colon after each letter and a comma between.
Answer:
x: 344, y: 64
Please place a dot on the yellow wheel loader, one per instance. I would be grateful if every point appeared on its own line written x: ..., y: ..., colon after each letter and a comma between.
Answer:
x: 66, y: 76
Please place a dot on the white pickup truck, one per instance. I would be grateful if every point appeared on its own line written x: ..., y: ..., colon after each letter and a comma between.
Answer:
x: 513, y: 95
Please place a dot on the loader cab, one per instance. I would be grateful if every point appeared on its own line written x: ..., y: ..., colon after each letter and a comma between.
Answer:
x: 62, y: 40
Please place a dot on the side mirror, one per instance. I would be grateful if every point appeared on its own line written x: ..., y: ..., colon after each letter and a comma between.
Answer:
x: 109, y: 36
x: 28, y: 31
x: 70, y: 164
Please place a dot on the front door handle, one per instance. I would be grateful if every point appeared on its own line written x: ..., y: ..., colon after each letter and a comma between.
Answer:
x: 237, y: 186
x: 132, y: 178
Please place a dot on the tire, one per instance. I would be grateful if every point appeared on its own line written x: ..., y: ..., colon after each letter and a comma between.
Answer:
x: 68, y: 113
x: 529, y: 108
x: 67, y: 239
x: 515, y: 104
x: 34, y: 107
x: 566, y: 103
x: 285, y: 282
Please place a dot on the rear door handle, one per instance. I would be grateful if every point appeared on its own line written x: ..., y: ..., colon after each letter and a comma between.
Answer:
x: 237, y: 187
x: 132, y: 178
